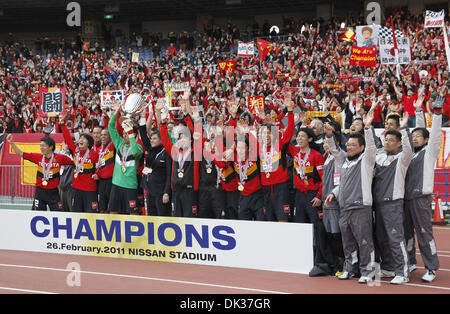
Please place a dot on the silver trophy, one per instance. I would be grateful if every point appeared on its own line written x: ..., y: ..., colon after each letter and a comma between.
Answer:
x: 132, y: 107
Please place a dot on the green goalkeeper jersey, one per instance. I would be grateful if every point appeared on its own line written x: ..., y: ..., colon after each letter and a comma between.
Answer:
x: 127, y: 158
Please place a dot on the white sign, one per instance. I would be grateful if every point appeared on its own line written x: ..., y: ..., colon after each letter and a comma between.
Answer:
x: 246, y: 49
x: 387, y: 54
x: 434, y: 19
x: 108, y: 97
x: 272, y: 246
x: 177, y: 87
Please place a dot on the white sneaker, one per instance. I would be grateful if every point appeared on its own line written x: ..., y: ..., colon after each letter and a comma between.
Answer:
x: 365, y: 279
x: 429, y: 276
x: 386, y: 273
x: 346, y: 275
x: 398, y: 280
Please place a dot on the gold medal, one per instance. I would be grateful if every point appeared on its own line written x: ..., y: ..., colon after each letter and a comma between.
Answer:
x: 267, y: 175
x: 208, y: 170
x: 241, y: 187
x: 124, y: 169
x: 44, y: 183
x: 306, y: 182
x: 180, y: 175
x: 75, y: 175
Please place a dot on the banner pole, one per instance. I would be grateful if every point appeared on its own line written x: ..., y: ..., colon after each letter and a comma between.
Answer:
x: 447, y: 48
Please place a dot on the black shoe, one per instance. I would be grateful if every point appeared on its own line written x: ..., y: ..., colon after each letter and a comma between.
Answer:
x: 317, y: 271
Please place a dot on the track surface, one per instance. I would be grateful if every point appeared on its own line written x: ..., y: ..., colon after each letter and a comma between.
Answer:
x: 30, y: 272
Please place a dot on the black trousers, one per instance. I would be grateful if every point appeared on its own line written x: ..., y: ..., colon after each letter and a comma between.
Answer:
x: 185, y: 203
x: 84, y: 201
x: 44, y: 197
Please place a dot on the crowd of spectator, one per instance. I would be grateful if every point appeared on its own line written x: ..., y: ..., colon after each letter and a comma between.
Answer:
x: 305, y: 75
x: 310, y: 55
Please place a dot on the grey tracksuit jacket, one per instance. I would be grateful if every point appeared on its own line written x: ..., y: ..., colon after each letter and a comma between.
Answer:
x: 420, y: 174
x: 390, y: 171
x: 331, y: 171
x: 355, y: 189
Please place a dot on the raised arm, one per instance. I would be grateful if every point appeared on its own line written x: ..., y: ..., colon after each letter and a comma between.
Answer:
x: 116, y: 138
x: 407, y: 146
x: 16, y: 149
x: 165, y: 139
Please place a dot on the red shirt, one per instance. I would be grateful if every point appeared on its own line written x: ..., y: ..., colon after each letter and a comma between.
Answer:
x: 408, y: 104
x: 83, y: 180
x: 280, y: 174
x: 106, y: 161
x: 312, y: 180
x: 53, y: 179
x: 252, y: 182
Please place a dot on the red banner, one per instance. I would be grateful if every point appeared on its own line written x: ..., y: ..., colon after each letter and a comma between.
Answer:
x: 264, y: 47
x: 364, y: 57
x: 256, y: 104
x: 227, y: 66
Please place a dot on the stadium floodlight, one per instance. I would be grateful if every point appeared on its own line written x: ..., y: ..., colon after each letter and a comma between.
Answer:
x: 109, y: 16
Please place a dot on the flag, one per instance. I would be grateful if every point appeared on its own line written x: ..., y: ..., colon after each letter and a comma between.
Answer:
x: 394, y: 35
x: 349, y: 35
x: 231, y: 66
x: 447, y: 47
x: 386, y: 33
x: 256, y: 104
x: 227, y: 66
x: 107, y: 97
x: 434, y: 19
x: 2, y: 139
x: 264, y: 47
x: 222, y: 66
x: 246, y: 49
x: 51, y: 101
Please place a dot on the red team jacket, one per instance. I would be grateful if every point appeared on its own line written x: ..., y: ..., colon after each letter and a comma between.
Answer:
x: 84, y: 181
x: 313, y: 167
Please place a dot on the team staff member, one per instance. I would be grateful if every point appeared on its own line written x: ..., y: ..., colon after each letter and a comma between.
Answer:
x: 419, y: 188
x: 274, y: 170
x: 84, y: 198
x: 354, y: 195
x: 331, y: 178
x: 47, y: 177
x: 105, y: 169
x: 157, y: 171
x: 185, y: 167
x: 124, y: 192
x: 388, y: 193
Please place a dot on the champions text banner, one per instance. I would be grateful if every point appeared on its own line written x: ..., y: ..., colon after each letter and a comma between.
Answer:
x: 244, y: 244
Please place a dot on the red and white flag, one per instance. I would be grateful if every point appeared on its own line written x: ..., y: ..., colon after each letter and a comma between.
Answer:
x: 434, y: 19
